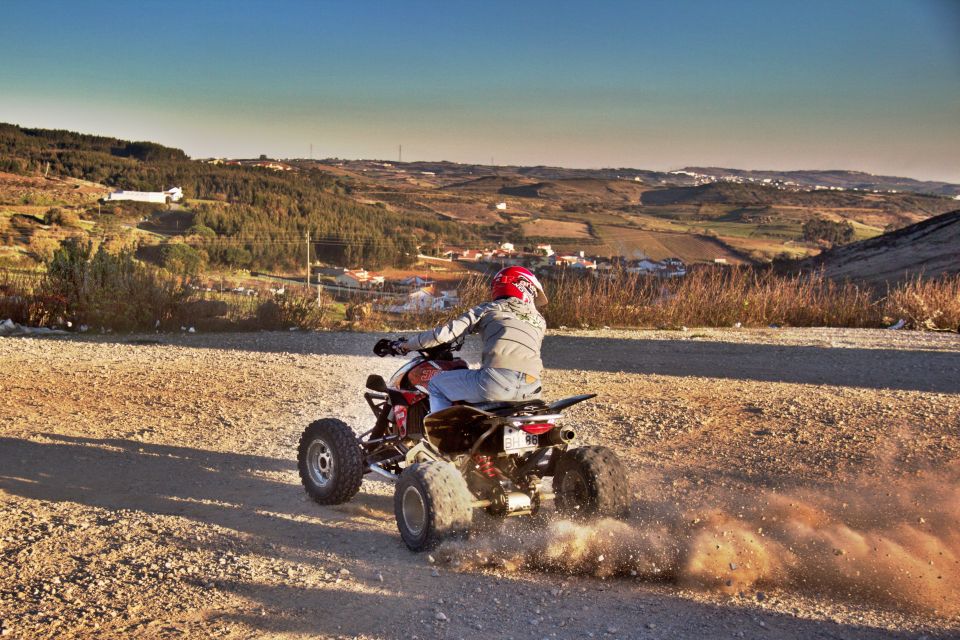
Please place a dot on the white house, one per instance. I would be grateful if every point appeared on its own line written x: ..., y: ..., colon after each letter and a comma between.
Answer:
x: 644, y: 266
x: 415, y: 282
x: 423, y: 300
x: 170, y: 195
x: 358, y: 279
x: 501, y: 206
x: 507, y: 246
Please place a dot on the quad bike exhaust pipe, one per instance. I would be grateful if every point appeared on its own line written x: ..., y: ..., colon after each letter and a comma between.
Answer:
x: 561, y: 435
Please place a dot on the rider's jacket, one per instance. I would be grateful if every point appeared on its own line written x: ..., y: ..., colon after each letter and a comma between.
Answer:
x: 512, y: 333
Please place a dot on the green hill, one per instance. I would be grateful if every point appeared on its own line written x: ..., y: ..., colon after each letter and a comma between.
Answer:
x: 259, y: 217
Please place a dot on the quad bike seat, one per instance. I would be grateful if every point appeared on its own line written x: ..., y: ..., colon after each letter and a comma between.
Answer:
x: 501, y: 406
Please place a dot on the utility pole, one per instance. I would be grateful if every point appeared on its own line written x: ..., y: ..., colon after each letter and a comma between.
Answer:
x: 311, y: 151
x: 400, y: 153
x: 308, y: 260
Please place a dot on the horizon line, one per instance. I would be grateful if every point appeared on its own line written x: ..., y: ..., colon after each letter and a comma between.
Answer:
x: 480, y: 164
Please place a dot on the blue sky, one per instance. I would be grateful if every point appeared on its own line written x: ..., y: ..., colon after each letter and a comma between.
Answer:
x: 871, y: 84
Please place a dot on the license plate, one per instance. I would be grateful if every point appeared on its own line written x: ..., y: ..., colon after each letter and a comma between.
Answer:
x: 518, y: 440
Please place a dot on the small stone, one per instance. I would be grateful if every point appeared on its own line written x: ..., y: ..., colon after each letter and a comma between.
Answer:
x: 612, y: 630
x: 441, y: 616
x: 733, y: 566
x: 435, y: 573
x: 380, y: 577
x: 431, y: 559
x: 534, y: 622
x: 600, y: 558
x: 344, y: 572
x: 651, y: 625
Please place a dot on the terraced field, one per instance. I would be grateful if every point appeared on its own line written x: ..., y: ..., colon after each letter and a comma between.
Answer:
x: 658, y: 245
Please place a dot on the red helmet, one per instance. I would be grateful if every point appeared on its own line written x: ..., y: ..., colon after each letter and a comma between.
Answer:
x: 518, y: 282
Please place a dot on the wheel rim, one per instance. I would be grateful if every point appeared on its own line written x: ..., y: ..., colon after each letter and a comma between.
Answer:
x: 414, y: 511
x: 320, y: 462
x: 574, y: 489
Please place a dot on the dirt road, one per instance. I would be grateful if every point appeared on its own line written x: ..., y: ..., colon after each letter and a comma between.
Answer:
x: 788, y: 484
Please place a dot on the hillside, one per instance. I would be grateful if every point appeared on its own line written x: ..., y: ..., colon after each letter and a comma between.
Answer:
x: 834, y: 178
x: 762, y: 195
x: 490, y: 184
x: 931, y: 248
x: 244, y: 216
x: 378, y: 214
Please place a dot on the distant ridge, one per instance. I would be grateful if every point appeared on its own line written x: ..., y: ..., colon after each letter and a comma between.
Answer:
x: 930, y: 248
x: 838, y: 178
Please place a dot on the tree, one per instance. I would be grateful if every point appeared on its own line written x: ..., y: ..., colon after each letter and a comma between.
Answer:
x: 201, y: 231
x: 817, y: 229
x: 182, y: 259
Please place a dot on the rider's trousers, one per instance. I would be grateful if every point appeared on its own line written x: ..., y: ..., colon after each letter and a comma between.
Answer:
x: 480, y: 385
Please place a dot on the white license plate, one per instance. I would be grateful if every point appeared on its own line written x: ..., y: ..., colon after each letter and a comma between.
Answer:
x: 518, y: 440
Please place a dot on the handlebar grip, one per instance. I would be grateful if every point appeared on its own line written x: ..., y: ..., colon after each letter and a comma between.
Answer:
x: 384, y: 347
x: 387, y: 347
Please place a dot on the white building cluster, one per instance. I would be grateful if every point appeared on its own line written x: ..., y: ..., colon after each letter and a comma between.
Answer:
x: 173, y: 194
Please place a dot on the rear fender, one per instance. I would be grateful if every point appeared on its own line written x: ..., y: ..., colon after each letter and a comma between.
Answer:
x: 559, y: 405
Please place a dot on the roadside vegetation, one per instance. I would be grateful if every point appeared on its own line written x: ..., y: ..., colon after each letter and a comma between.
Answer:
x: 103, y: 290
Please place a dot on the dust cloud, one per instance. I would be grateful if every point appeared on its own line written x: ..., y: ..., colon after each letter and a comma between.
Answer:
x: 896, y: 545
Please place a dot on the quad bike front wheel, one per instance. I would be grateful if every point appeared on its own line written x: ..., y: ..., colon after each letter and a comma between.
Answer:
x: 330, y: 461
x: 432, y: 503
x: 591, y: 482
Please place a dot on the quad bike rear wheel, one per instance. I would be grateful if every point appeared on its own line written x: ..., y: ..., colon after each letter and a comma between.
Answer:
x: 432, y: 503
x: 591, y: 482
x: 330, y: 461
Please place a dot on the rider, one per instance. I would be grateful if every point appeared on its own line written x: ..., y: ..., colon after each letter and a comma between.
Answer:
x: 512, y: 330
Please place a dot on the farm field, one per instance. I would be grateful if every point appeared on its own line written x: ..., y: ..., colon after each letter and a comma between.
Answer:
x: 658, y: 245
x: 469, y: 212
x: 547, y: 228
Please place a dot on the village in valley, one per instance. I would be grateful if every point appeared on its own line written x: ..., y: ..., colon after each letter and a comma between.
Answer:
x: 419, y: 292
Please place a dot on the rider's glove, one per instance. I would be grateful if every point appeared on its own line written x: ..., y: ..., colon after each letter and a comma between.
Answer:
x: 387, y: 347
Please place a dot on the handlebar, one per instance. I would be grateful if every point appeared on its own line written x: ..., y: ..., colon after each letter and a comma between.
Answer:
x: 387, y: 347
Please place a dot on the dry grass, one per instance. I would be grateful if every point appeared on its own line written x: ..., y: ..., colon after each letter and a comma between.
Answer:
x: 546, y: 228
x: 718, y: 297
x: 925, y: 304
x: 706, y: 297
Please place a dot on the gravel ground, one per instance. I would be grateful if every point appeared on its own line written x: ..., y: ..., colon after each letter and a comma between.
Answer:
x: 788, y: 484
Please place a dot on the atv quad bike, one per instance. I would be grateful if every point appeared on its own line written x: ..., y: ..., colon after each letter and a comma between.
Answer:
x: 491, y: 455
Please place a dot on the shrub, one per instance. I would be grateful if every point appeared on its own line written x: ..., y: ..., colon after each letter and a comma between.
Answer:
x: 107, y: 289
x: 304, y: 312
x: 182, y: 259
x: 201, y: 231
x: 925, y: 304
x: 61, y: 217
